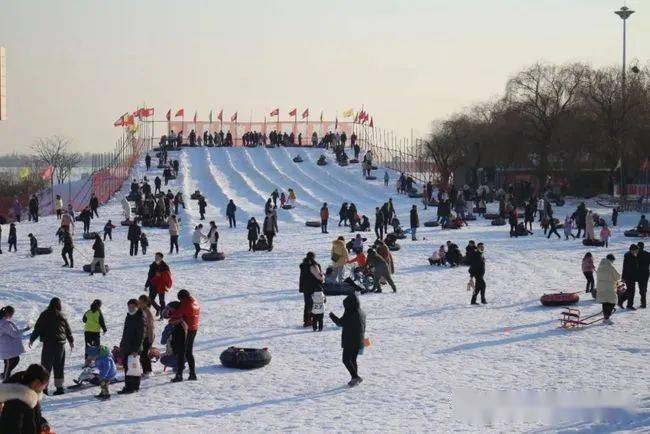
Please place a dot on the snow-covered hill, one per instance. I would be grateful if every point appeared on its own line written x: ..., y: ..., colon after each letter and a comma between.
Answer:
x: 427, y: 341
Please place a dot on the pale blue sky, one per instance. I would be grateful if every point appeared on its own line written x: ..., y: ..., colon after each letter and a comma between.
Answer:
x: 75, y: 65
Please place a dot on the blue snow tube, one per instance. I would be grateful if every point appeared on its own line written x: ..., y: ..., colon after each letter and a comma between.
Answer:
x: 245, y: 358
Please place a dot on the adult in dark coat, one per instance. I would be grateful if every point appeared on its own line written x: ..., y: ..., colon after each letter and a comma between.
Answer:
x: 131, y: 344
x: 94, y: 204
x: 21, y: 395
x: 230, y: 213
x: 630, y: 276
x: 202, y: 204
x: 270, y: 227
x: 68, y: 248
x: 147, y: 161
x: 352, y: 216
x: 353, y: 323
x: 644, y: 272
x: 53, y: 330
x: 33, y: 208
x: 134, y: 237
x: 379, y: 223
x: 477, y: 272
x: 343, y: 214
x: 253, y: 233
x: 309, y: 283
x: 580, y: 217
x: 157, y: 183
x: 415, y: 221
x: 85, y: 216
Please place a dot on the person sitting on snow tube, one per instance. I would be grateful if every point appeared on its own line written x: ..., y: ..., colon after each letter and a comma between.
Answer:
x: 321, y: 160
x: 365, y: 224
x: 643, y: 226
x: 262, y: 243
x: 520, y: 231
x: 453, y: 256
x: 332, y: 287
x: 297, y: 159
x: 438, y: 257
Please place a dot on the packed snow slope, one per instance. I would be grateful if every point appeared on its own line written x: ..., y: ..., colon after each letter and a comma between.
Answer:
x: 427, y: 340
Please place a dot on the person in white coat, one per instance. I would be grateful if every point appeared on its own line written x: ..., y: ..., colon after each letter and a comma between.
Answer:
x: 607, y: 281
x: 589, y: 227
x: 58, y: 206
x: 197, y: 238
x: 11, y: 343
x: 126, y: 208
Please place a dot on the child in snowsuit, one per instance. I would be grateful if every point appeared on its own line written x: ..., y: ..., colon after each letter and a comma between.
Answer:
x: 108, y: 230
x: 33, y: 244
x: 144, y: 243
x: 318, y: 308
x: 107, y: 370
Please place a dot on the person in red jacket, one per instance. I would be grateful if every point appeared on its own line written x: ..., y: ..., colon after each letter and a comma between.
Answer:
x: 159, y: 281
x: 188, y: 311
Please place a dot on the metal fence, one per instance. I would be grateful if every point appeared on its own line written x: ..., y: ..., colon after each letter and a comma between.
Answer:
x: 405, y: 155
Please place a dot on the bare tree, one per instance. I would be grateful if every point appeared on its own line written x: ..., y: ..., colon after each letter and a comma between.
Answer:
x: 53, y: 151
x: 448, y: 146
x: 69, y: 160
x: 544, y: 95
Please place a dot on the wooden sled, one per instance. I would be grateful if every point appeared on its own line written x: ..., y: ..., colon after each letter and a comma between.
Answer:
x: 571, y: 318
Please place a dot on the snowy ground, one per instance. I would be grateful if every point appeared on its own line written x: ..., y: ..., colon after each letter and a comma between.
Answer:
x: 427, y: 341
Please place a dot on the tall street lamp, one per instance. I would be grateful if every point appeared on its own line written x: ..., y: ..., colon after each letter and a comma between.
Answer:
x: 624, y: 13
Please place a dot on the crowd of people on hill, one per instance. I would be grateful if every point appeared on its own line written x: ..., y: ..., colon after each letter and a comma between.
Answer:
x: 331, y: 139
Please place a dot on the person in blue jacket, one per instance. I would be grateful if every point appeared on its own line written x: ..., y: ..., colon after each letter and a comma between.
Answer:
x: 107, y: 370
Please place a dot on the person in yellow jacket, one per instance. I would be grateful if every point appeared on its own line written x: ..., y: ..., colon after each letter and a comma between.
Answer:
x: 607, y: 281
x: 93, y: 323
x: 339, y: 257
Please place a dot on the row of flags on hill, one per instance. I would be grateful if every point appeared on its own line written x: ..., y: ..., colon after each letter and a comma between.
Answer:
x: 128, y: 119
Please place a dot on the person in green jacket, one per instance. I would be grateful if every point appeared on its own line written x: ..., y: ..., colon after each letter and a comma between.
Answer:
x: 93, y: 323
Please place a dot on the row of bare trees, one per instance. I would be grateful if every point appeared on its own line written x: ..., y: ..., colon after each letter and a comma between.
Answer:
x: 552, y: 117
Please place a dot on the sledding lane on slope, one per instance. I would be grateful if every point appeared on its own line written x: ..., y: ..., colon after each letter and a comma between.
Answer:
x: 196, y: 175
x: 308, y: 202
x: 234, y: 186
x: 333, y: 197
x: 258, y: 179
x: 284, y: 164
x: 344, y: 181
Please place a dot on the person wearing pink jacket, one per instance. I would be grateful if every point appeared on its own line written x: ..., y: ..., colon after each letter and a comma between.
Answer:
x: 605, y: 233
x: 588, y: 269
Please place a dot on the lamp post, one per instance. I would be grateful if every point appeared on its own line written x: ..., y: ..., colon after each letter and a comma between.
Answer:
x: 624, y: 13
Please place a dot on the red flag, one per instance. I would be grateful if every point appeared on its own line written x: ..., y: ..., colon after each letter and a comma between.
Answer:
x: 305, y: 114
x: 119, y: 122
x: 275, y: 112
x: 47, y: 173
x: 293, y: 112
x: 195, y: 114
x: 220, y: 117
x: 129, y: 121
x: 233, y: 118
x: 146, y: 112
x: 169, y: 115
x: 180, y: 112
x: 372, y: 124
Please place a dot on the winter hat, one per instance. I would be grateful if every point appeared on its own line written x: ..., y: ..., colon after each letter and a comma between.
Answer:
x: 103, y: 351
